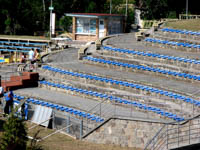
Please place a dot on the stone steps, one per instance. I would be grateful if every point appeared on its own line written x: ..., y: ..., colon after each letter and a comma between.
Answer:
x: 165, y: 75
x: 152, y: 61
x: 173, y: 47
x: 144, y: 97
x: 131, y: 43
x: 178, y: 37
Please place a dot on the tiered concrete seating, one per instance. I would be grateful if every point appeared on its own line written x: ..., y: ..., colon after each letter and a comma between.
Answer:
x: 172, y: 43
x: 14, y: 50
x: 76, y: 112
x: 8, y: 46
x: 105, y: 80
x: 181, y: 31
x: 24, y: 43
x: 18, y: 47
x: 116, y: 99
x: 154, y: 55
x: 144, y: 68
x: 2, y: 61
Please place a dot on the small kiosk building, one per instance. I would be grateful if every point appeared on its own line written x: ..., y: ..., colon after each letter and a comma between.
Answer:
x: 92, y: 26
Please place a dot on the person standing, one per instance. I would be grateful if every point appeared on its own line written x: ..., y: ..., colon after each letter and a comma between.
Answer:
x: 23, y: 58
x: 31, y: 55
x: 9, y: 102
x: 1, y: 91
x: 31, y: 58
x: 37, y: 56
x: 1, y: 94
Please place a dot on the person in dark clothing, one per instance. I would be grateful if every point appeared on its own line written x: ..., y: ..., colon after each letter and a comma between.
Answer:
x: 9, y: 102
x: 1, y: 94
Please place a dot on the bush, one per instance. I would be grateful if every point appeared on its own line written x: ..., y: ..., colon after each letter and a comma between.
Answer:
x: 15, y: 135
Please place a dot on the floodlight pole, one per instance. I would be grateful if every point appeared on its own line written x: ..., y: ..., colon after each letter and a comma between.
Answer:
x: 187, y: 9
x: 110, y: 6
x: 50, y: 20
x: 126, y: 7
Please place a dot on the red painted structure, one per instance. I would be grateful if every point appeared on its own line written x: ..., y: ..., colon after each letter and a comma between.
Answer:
x: 27, y: 79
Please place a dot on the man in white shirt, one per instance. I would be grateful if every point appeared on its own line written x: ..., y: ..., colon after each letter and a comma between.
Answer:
x: 31, y: 58
x: 31, y: 55
x: 1, y: 91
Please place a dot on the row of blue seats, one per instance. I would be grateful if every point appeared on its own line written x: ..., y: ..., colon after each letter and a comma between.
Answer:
x: 140, y: 67
x: 23, y: 43
x: 116, y: 99
x: 155, y: 55
x: 153, y: 40
x: 21, y: 47
x: 14, y: 50
x: 126, y: 84
x: 180, y: 31
x: 2, y: 61
x: 61, y: 108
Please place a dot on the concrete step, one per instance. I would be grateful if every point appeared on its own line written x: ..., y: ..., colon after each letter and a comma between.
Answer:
x: 165, y: 75
x: 128, y: 42
x: 152, y: 61
x: 85, y: 104
x: 142, y: 96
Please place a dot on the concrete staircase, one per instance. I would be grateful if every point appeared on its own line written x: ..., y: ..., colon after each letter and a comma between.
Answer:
x: 26, y: 79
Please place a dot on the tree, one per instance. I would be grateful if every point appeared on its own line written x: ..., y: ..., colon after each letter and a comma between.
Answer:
x: 65, y: 23
x: 153, y: 9
x: 15, y: 135
x: 91, y: 7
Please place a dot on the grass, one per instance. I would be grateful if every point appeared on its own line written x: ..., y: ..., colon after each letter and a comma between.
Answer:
x: 61, y: 141
x: 192, y: 24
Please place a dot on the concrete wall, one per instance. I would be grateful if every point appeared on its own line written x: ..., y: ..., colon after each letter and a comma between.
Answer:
x: 125, y: 133
x: 85, y: 37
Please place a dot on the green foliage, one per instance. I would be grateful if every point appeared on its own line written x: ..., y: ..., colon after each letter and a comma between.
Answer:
x: 65, y: 22
x: 26, y: 17
x: 130, y: 19
x: 154, y: 9
x: 172, y: 14
x: 8, y: 21
x: 14, y: 135
x: 91, y: 7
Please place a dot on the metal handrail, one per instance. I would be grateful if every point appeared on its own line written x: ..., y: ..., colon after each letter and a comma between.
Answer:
x: 177, y: 138
x: 155, y: 136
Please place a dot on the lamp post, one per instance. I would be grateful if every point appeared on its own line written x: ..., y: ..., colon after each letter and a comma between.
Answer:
x: 50, y: 8
x: 187, y: 9
x: 126, y: 7
x: 110, y: 6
